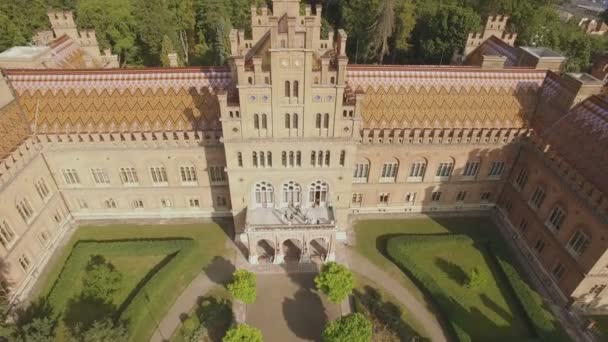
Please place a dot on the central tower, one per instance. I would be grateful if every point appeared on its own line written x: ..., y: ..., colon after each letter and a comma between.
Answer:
x: 289, y: 130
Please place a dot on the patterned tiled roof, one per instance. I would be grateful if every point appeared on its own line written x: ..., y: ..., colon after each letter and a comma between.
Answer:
x: 436, y: 97
x: 120, y: 100
x: 13, y: 128
x: 581, y: 138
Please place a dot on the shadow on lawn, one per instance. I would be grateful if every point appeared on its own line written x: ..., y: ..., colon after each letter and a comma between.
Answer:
x: 219, y: 270
x: 454, y: 271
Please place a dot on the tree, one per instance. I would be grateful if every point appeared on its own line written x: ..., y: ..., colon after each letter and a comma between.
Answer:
x: 185, y: 18
x: 114, y: 24
x: 358, y: 28
x: 153, y: 21
x: 477, y: 279
x: 383, y: 28
x: 353, y: 328
x: 166, y: 49
x: 101, y: 279
x: 105, y: 331
x: 40, y: 329
x: 439, y: 34
x: 243, y: 333
x: 243, y: 286
x: 335, y: 281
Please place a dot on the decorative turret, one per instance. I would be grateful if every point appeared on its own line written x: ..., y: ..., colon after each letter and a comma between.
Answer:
x: 495, y: 26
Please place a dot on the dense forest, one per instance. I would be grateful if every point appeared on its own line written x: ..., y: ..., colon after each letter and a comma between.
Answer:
x: 141, y: 32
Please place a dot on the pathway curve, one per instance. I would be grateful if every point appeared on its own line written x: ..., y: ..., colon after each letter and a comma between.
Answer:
x: 218, y: 272
x: 420, y: 310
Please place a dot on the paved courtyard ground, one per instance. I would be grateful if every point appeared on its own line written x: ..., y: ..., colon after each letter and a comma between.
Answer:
x: 288, y: 308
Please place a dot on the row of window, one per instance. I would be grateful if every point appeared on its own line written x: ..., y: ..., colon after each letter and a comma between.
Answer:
x: 578, y: 243
x: 7, y: 233
x: 291, y: 158
x: 110, y: 203
x: 388, y: 173
x: 129, y: 175
x: 260, y: 121
x: 410, y: 197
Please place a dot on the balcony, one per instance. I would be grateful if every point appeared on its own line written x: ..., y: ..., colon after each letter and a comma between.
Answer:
x: 265, y: 219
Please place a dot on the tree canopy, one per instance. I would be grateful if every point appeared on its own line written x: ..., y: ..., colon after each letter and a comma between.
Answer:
x: 243, y: 332
x: 243, y: 286
x: 353, y: 328
x: 336, y: 281
x: 379, y: 31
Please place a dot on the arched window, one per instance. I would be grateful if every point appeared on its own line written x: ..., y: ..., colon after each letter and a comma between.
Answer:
x: 287, y: 89
x: 579, y: 242
x: 269, y: 158
x: 264, y: 194
x: 418, y: 169
x: 313, y: 158
x: 239, y: 158
x: 320, y: 160
x: 361, y: 171
x: 284, y: 159
x: 264, y: 121
x: 256, y: 121
x: 298, y: 158
x: 318, y: 193
x: 262, y: 159
x: 254, y: 159
x: 291, y: 193
x: 291, y: 159
x: 326, y: 121
x: 327, y: 158
x: 318, y: 121
x: 295, y: 121
x: 388, y: 174
x: 296, y: 88
x: 287, y: 121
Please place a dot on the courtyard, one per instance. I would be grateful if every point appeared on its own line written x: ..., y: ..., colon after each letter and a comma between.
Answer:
x: 155, y: 264
x: 433, y: 257
x: 289, y: 308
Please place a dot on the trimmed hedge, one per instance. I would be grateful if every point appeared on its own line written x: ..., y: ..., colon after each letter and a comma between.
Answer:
x: 180, y: 253
x: 537, y: 317
x: 399, y: 249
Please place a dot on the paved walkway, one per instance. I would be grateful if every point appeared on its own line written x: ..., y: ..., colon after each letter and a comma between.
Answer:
x: 420, y: 310
x: 218, y: 272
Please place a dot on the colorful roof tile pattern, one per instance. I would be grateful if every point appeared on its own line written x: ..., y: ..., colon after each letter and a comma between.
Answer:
x: 587, y: 126
x: 441, y: 97
x: 120, y: 100
x: 13, y: 128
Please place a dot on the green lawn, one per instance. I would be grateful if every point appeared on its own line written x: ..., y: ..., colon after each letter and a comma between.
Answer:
x: 384, y: 310
x: 491, y: 312
x: 215, y: 307
x: 156, y: 262
x: 372, y: 236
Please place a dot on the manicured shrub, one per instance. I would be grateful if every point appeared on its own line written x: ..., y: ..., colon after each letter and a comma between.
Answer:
x: 352, y: 328
x: 477, y: 279
x: 335, y: 281
x: 243, y: 286
x: 101, y: 279
x: 243, y: 333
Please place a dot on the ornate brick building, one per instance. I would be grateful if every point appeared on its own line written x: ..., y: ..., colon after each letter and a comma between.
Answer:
x: 290, y: 141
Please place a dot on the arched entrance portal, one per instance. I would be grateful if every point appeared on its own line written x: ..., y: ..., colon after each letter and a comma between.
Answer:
x: 291, y: 194
x: 318, y: 250
x: 265, y: 251
x: 263, y: 195
x: 292, y: 250
x: 318, y: 193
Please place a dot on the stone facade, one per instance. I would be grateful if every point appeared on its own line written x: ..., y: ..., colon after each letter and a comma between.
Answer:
x: 290, y: 141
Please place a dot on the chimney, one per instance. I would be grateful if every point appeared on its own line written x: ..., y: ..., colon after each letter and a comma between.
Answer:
x: 172, y: 60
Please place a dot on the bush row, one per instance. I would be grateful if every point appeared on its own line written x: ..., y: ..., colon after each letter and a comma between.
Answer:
x: 538, y: 318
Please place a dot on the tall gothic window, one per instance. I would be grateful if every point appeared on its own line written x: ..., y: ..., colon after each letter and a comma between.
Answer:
x: 326, y: 121
x: 296, y: 88
x: 295, y: 121
x: 318, y: 121
x: 264, y: 121
x: 256, y: 121
x: 287, y: 121
x: 287, y: 89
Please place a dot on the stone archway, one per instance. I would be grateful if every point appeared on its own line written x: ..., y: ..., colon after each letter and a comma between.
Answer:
x: 318, y: 249
x: 265, y: 251
x: 292, y: 250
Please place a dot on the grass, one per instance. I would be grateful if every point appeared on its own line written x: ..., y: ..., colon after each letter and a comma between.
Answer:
x: 385, y: 310
x: 485, y: 313
x: 157, y: 263
x: 372, y: 236
x: 215, y: 305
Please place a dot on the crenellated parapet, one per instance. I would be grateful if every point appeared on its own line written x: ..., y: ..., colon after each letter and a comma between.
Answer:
x: 495, y: 26
x: 452, y: 136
